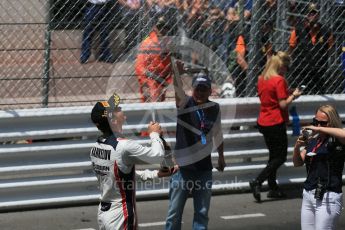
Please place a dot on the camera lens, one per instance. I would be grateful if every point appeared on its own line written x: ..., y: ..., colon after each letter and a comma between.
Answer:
x: 306, y: 133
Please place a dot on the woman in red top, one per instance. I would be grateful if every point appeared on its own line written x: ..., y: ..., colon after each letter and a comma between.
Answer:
x: 274, y: 99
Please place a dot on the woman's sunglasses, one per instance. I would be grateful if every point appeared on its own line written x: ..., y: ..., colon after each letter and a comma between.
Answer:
x: 317, y: 122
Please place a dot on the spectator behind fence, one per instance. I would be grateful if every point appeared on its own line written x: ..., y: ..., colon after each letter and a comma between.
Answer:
x: 233, y: 10
x: 231, y: 28
x: 198, y: 131
x: 96, y: 18
x: 214, y: 29
x: 292, y: 9
x: 269, y: 11
x: 194, y: 18
x: 310, y: 42
x: 222, y: 28
x: 157, y: 8
x: 152, y: 65
x: 130, y: 18
x: 238, y: 64
x: 274, y: 102
x: 267, y: 30
x: 323, y: 153
x: 238, y: 57
x: 266, y: 45
x: 113, y: 160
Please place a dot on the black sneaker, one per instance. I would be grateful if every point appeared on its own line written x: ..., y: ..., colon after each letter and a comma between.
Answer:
x: 276, y: 194
x: 256, y: 189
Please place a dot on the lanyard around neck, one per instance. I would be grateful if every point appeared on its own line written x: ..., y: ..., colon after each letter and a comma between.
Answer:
x: 201, y: 117
x: 319, y: 142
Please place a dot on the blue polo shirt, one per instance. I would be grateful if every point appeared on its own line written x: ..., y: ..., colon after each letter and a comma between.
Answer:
x: 189, y: 137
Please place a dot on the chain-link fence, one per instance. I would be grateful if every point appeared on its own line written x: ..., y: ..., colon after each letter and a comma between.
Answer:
x: 74, y: 52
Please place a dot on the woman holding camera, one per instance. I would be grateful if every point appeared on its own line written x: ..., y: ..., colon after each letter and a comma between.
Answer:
x: 324, y: 156
x: 274, y: 102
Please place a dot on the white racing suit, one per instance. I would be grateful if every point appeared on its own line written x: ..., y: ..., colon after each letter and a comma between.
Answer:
x: 113, y: 160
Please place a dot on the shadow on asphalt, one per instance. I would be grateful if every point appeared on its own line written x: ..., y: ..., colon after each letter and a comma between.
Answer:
x: 294, y: 192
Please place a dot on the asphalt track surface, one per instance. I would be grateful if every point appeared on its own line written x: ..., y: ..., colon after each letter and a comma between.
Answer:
x: 228, y: 211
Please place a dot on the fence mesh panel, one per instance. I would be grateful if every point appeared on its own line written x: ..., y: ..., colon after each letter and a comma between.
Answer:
x: 75, y: 52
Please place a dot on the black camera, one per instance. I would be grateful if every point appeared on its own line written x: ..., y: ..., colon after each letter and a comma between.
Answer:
x: 306, y: 134
x: 319, y: 191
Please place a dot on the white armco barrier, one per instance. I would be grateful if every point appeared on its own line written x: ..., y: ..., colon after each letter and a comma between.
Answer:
x: 44, y: 154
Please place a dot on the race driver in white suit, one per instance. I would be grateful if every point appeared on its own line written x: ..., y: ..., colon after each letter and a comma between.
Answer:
x: 113, y: 160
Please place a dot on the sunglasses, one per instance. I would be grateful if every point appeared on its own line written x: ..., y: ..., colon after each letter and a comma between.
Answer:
x: 321, y: 123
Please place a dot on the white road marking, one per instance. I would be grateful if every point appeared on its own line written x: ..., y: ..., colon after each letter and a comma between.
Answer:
x: 85, y: 229
x: 161, y: 223
x: 152, y: 224
x: 242, y: 216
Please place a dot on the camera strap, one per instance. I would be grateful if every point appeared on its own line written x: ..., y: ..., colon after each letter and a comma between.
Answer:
x: 316, y: 147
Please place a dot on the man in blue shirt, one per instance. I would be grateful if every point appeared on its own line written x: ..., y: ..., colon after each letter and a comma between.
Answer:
x: 198, y: 131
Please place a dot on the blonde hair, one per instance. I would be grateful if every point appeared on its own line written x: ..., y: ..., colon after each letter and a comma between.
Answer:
x: 275, y: 63
x: 332, y: 114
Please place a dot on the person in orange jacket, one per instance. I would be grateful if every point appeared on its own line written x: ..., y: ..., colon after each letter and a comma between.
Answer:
x: 152, y: 65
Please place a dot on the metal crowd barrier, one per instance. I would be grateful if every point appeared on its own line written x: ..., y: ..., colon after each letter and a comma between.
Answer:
x: 44, y: 155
